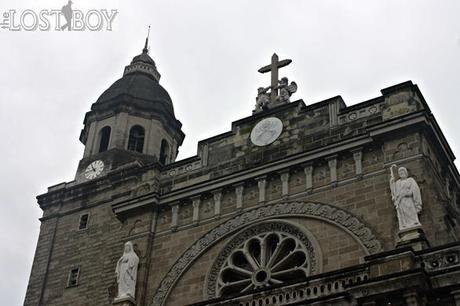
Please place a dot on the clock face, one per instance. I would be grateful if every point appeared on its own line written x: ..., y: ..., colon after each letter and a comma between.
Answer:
x: 266, y: 131
x: 94, y: 169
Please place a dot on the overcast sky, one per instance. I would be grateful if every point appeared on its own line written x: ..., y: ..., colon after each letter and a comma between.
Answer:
x: 208, y: 53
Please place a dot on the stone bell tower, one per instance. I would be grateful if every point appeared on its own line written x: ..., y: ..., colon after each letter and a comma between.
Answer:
x: 132, y: 121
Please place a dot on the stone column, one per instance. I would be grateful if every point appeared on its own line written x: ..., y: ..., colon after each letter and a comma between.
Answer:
x: 262, y: 183
x: 308, y: 169
x: 447, y: 186
x: 118, y: 133
x: 196, y: 201
x: 414, y: 299
x: 456, y: 295
x: 91, y: 140
x: 153, y: 224
x: 204, y: 154
x: 332, y: 162
x: 217, y: 195
x: 284, y: 175
x: 454, y: 200
x: 358, y: 157
x: 239, y: 188
x: 174, y: 217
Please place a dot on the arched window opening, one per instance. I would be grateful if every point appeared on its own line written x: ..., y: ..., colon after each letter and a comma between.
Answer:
x: 164, y: 152
x: 269, y: 254
x: 136, y: 139
x: 104, y: 136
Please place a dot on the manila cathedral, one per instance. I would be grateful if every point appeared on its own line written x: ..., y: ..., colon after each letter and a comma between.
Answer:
x: 296, y: 204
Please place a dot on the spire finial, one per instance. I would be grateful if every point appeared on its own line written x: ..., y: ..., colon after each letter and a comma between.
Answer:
x: 146, y: 49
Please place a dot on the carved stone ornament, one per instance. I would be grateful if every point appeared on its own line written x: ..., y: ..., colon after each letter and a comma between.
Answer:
x: 266, y: 131
x: 127, y: 273
x: 262, y: 99
x: 280, y: 90
x: 337, y: 216
x: 407, y: 199
x: 286, y: 90
x: 265, y: 254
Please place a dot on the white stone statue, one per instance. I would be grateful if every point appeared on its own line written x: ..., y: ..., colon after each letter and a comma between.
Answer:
x: 127, y: 272
x: 406, y: 197
x: 262, y: 99
x: 285, y: 90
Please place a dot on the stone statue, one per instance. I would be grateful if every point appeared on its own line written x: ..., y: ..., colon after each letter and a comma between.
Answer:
x: 127, y: 272
x: 406, y: 197
x: 262, y: 99
x: 285, y: 90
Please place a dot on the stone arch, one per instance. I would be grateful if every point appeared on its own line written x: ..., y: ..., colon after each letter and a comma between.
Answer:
x: 328, y: 213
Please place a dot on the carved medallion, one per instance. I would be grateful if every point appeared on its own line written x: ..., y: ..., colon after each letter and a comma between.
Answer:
x: 266, y: 131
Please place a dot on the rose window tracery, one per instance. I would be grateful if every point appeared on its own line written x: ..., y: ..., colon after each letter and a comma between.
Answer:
x: 261, y: 256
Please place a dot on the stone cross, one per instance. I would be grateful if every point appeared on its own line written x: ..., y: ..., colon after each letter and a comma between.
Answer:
x: 273, y: 68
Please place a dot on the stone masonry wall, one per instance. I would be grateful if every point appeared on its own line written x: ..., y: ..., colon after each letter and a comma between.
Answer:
x: 366, y: 196
x: 335, y: 159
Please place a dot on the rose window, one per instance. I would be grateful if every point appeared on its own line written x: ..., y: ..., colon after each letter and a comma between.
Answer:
x: 266, y: 258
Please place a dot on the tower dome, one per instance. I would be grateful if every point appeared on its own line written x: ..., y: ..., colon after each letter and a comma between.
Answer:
x: 133, y: 119
x: 139, y: 87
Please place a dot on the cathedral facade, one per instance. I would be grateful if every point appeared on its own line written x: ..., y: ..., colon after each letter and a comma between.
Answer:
x: 319, y: 204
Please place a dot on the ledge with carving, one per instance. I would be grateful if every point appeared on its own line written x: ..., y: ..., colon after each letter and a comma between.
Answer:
x: 313, y: 288
x: 434, y: 274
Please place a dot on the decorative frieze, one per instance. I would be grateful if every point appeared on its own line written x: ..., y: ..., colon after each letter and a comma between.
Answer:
x: 442, y: 261
x: 180, y: 170
x: 361, y: 113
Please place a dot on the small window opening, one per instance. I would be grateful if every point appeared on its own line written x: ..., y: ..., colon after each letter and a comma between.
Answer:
x: 104, y: 138
x: 164, y: 152
x: 83, y: 224
x: 73, y: 277
x: 136, y: 139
